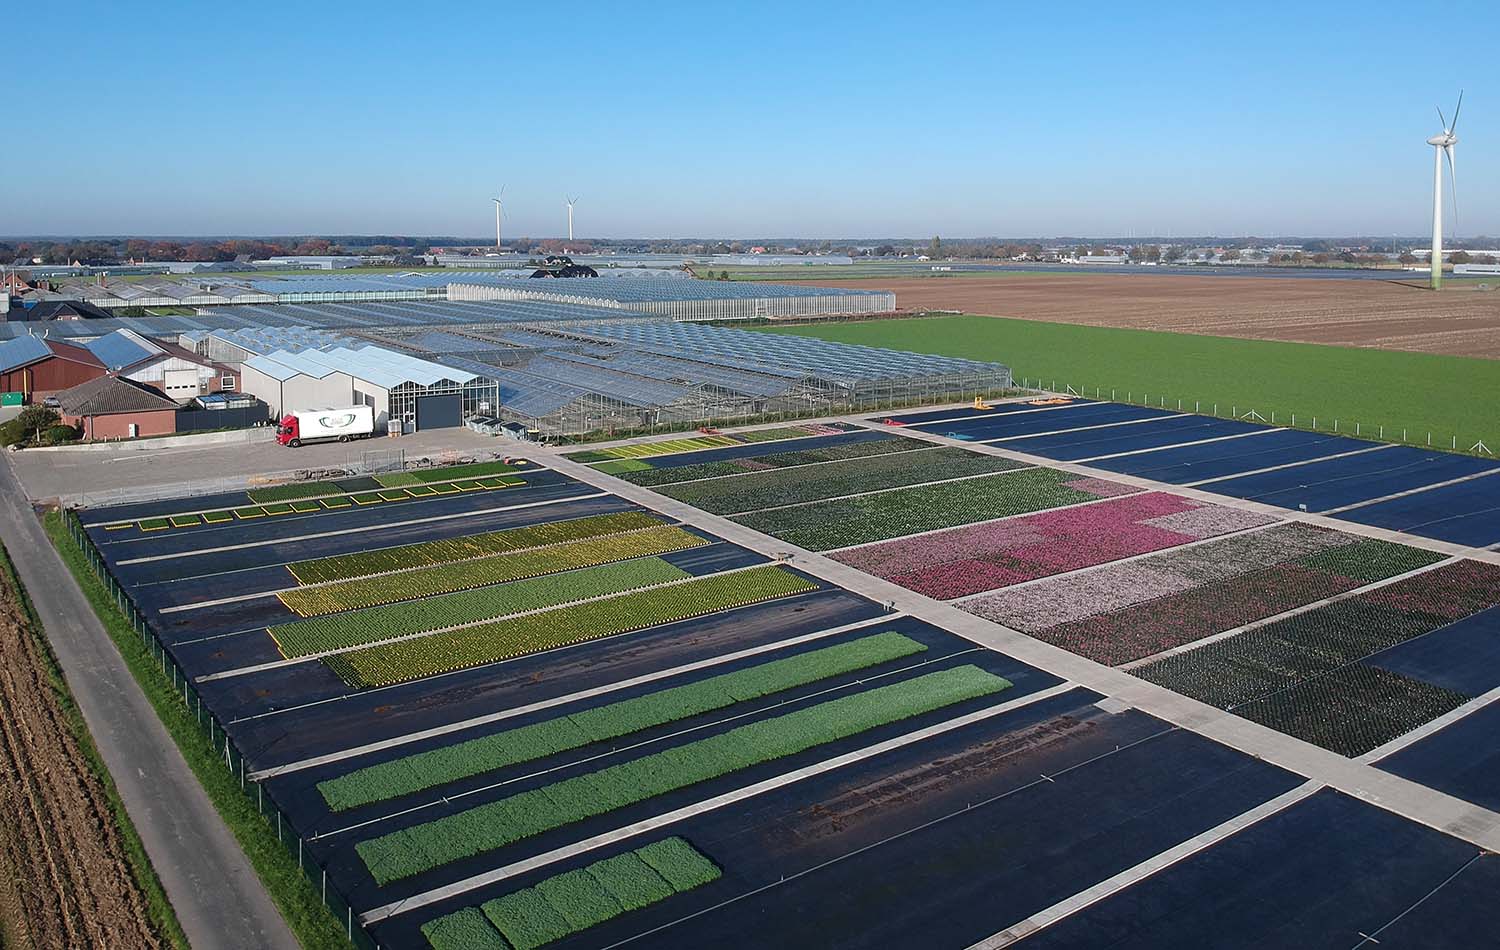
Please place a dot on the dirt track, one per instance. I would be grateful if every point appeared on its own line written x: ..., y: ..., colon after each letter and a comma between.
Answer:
x: 64, y: 879
x: 1390, y: 315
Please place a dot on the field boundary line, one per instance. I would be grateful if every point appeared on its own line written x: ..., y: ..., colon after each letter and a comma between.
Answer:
x: 781, y: 468
x: 1177, y: 445
x: 960, y: 601
x: 593, y: 757
x: 1354, y: 477
x: 243, y: 631
x: 1147, y: 868
x: 287, y: 501
x: 305, y: 658
x: 260, y: 775
x: 876, y: 491
x: 1426, y: 806
x: 1287, y: 614
x: 1486, y: 554
x: 1019, y: 412
x: 375, y: 527
x: 1043, y: 435
x: 373, y: 690
x: 1285, y: 465
x: 377, y: 914
x: 1428, y: 728
x: 728, y: 430
x: 988, y: 521
x: 423, y: 567
x: 1335, y: 512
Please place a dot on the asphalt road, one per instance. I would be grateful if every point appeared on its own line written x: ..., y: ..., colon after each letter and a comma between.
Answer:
x: 219, y: 900
x: 50, y: 473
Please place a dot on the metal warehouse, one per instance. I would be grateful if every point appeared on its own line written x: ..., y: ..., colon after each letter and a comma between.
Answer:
x: 688, y: 299
x: 417, y: 392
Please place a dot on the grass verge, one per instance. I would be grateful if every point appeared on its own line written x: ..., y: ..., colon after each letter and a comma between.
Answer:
x: 293, y: 894
x: 1422, y: 392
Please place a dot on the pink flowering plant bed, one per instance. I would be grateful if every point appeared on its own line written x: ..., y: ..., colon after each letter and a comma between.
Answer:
x: 984, y: 557
x: 1219, y: 602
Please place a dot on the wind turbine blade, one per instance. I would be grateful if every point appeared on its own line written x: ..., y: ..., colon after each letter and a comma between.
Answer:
x: 1443, y: 119
x: 1456, y: 110
x: 1453, y: 183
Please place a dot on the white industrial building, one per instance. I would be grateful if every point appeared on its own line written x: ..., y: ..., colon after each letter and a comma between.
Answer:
x: 418, y: 393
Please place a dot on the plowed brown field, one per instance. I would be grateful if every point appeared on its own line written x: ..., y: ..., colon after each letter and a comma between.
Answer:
x: 64, y: 878
x: 1463, y: 321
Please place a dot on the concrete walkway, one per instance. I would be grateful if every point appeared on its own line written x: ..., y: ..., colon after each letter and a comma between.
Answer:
x: 1448, y: 814
x: 218, y: 898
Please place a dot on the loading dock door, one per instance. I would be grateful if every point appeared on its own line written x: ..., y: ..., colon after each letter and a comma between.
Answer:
x: 439, y: 412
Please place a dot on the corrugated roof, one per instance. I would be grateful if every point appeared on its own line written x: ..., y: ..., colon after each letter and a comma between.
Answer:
x: 22, y: 350
x: 122, y: 348
x: 374, y: 364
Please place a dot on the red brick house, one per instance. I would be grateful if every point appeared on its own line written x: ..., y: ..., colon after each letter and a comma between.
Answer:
x: 113, y: 408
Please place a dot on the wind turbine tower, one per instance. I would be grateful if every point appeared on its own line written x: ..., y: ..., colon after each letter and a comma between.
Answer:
x: 1442, y: 145
x: 496, y: 200
x: 570, y: 202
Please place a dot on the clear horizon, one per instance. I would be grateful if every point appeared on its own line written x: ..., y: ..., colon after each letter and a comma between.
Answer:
x: 677, y: 122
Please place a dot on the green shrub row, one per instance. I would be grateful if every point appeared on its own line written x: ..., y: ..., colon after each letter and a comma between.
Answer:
x: 467, y: 929
x: 576, y: 900
x: 789, y: 486
x: 293, y: 490
x: 827, y: 453
x: 435, y: 767
x: 848, y: 521
x: 358, y: 627
x: 561, y: 626
x: 344, y: 566
x: 397, y: 479
x: 473, y: 831
x: 495, y: 569
x: 472, y: 470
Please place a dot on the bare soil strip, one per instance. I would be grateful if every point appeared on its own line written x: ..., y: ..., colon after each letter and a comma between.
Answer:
x: 65, y: 881
x: 1393, y: 315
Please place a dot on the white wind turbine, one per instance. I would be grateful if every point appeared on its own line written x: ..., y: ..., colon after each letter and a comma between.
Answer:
x: 496, y: 200
x: 1442, y: 145
x: 570, y: 202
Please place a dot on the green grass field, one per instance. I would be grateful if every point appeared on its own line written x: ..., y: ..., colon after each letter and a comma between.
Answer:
x: 1448, y: 396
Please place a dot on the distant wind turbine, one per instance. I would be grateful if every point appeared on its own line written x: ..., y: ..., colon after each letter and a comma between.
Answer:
x: 496, y: 200
x: 570, y: 202
x: 1442, y: 145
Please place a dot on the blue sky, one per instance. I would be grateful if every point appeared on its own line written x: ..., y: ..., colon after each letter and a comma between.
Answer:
x: 762, y: 119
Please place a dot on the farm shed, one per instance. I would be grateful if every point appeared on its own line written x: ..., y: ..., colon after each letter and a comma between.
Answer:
x: 177, y: 372
x: 33, y: 368
x: 113, y: 408
x: 286, y: 382
x: 393, y: 384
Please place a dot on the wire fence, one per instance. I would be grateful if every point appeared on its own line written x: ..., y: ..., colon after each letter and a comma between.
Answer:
x: 1354, y: 428
x: 224, y: 748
